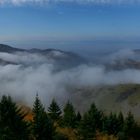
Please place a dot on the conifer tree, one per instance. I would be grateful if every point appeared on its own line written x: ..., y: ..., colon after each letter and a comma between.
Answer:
x: 78, y: 117
x: 120, y: 121
x: 42, y: 125
x: 129, y: 121
x: 92, y: 121
x: 129, y: 125
x: 12, y: 123
x: 69, y: 117
x: 96, y: 116
x: 111, y: 124
x: 54, y: 111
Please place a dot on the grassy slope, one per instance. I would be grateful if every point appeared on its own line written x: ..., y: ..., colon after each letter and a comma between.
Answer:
x: 109, y: 98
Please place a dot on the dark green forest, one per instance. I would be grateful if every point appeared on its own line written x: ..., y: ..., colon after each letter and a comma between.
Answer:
x: 51, y: 123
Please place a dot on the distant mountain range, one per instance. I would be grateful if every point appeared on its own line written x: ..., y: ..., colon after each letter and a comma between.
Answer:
x: 8, y: 49
x: 122, y: 64
x: 59, y: 57
x: 63, y: 59
x: 130, y: 61
x: 123, y: 97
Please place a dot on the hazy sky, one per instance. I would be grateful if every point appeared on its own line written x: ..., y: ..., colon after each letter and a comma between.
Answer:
x: 67, y: 23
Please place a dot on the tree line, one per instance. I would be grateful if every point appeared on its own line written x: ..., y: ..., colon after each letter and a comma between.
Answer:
x: 44, y: 124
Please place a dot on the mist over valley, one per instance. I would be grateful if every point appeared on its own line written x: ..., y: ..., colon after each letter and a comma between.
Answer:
x: 112, y: 81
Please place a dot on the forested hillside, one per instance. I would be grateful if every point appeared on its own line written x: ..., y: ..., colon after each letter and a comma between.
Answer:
x: 55, y: 123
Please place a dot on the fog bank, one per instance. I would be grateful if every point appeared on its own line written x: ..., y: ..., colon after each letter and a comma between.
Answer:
x: 32, y: 73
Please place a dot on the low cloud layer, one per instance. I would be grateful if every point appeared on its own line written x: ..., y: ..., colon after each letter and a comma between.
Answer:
x: 33, y: 73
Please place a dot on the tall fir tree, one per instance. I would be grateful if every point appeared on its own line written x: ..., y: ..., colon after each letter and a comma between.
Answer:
x: 92, y: 121
x: 120, y: 121
x: 129, y: 121
x: 130, y: 126
x: 78, y: 117
x: 54, y: 111
x: 111, y: 124
x: 12, y: 123
x: 43, y: 128
x: 69, y: 117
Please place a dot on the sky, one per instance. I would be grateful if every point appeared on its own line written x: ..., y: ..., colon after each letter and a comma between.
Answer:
x: 70, y: 23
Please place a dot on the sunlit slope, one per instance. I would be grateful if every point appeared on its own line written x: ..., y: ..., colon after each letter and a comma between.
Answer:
x: 123, y: 97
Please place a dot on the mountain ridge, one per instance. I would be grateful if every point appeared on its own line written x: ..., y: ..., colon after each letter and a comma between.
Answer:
x: 58, y: 57
x: 7, y: 48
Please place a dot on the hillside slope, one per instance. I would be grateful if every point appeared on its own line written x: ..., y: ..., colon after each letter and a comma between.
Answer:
x: 123, y: 97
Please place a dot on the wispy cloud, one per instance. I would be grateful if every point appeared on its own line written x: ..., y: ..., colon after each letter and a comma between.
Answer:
x: 20, y: 2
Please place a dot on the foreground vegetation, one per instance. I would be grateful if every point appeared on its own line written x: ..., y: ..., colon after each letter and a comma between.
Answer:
x: 55, y: 124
